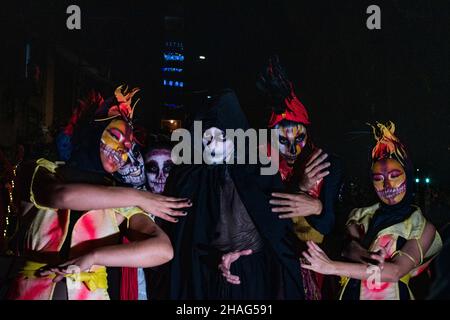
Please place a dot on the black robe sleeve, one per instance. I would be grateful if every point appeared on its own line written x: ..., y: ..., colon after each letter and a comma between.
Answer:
x: 324, y: 222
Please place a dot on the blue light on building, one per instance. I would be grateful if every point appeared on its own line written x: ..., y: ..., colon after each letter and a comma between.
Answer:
x: 169, y: 69
x: 173, y: 57
x: 171, y: 83
x: 172, y: 69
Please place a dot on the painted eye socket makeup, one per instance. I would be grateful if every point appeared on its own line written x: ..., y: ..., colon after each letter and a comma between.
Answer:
x: 395, y: 174
x: 377, y: 177
x: 115, y: 133
x: 151, y: 166
x: 300, y: 138
x: 283, y: 140
x: 167, y: 166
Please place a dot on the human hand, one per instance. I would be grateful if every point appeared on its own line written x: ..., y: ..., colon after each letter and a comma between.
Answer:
x: 318, y: 260
x: 378, y: 256
x: 357, y: 253
x: 295, y: 205
x: 227, y: 260
x: 314, y: 170
x: 77, y: 265
x: 162, y: 206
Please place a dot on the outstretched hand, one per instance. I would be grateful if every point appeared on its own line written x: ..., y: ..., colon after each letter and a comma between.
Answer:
x: 318, y: 260
x: 167, y: 208
x: 314, y: 170
x: 227, y: 260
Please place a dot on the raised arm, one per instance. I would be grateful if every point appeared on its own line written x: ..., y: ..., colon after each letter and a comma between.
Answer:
x: 50, y: 191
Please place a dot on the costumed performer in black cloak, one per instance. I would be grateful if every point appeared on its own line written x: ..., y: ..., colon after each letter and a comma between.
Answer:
x: 230, y: 212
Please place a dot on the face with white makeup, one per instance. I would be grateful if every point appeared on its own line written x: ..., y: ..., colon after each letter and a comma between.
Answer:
x: 133, y: 172
x: 217, y: 148
x: 158, y: 164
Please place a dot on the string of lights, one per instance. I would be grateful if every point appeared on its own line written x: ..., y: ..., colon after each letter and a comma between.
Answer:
x: 10, y: 204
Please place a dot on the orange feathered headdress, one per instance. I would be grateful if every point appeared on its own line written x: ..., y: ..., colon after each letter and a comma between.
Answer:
x: 123, y: 107
x: 388, y: 145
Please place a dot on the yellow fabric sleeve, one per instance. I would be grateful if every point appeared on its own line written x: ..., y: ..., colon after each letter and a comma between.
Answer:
x: 128, y: 212
x: 49, y: 166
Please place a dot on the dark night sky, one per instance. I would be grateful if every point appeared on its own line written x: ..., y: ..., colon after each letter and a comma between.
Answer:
x: 345, y: 74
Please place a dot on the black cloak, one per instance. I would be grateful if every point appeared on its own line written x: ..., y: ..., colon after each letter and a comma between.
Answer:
x: 271, y: 273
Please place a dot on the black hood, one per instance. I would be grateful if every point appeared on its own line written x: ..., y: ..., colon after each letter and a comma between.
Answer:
x: 222, y: 111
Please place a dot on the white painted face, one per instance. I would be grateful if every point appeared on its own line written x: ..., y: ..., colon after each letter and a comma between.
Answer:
x: 292, y: 140
x: 133, y: 172
x: 158, y: 165
x: 218, y: 149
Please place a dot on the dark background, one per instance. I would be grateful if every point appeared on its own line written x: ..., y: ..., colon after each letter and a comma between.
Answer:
x: 345, y: 74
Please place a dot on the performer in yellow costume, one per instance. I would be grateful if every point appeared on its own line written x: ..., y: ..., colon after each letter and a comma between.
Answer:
x: 72, y: 215
x: 391, y: 240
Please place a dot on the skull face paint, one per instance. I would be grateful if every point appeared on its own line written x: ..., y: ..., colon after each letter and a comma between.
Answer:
x: 158, y: 164
x: 218, y: 149
x: 292, y: 139
x: 133, y: 172
x: 389, y: 180
x: 115, y: 144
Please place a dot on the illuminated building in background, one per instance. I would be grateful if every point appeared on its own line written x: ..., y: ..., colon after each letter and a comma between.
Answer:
x: 173, y: 63
x: 173, y: 79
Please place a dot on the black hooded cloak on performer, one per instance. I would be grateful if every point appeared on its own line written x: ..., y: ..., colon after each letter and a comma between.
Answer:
x: 230, y: 212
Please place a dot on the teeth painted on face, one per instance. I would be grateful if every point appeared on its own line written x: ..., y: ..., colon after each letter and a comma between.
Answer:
x: 159, y: 183
x: 392, y: 192
x: 136, y: 173
x: 114, y: 155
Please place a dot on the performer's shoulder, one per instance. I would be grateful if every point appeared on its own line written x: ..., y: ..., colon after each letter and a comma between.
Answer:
x: 357, y: 214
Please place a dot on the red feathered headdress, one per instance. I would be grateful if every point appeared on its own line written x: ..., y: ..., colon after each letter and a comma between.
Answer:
x: 93, y: 100
x: 285, y: 104
x: 294, y: 111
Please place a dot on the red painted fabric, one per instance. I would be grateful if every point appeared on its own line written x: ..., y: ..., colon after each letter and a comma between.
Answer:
x: 129, y: 282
